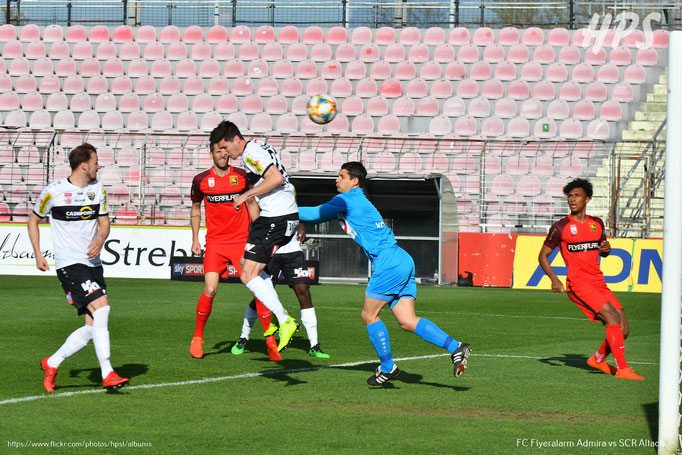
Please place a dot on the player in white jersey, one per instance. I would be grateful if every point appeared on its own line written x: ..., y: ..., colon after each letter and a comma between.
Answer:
x: 77, y: 206
x: 289, y: 260
x: 276, y: 224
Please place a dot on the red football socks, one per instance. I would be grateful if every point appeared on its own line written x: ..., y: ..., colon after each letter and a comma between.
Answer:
x: 614, y: 336
x: 204, y: 307
x: 264, y: 315
x: 603, y: 351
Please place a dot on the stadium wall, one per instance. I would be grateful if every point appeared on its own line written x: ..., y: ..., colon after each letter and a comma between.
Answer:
x: 496, y: 260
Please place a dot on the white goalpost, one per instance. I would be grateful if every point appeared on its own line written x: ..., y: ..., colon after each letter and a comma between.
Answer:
x: 669, y: 372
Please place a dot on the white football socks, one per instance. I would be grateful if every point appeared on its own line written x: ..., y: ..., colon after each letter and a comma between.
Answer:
x: 100, y: 338
x: 265, y: 292
x: 250, y: 318
x: 78, y: 339
x: 309, y: 320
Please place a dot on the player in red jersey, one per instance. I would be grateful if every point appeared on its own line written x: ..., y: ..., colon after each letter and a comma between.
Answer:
x: 227, y: 229
x: 581, y: 240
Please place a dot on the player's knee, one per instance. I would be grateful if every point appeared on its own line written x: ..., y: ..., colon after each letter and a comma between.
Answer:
x: 368, y: 317
x: 409, y: 325
x: 210, y: 291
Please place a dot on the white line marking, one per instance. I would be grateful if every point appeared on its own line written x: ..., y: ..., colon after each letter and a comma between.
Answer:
x: 274, y: 372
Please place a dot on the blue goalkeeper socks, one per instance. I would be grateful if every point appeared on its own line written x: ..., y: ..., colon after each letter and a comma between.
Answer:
x: 378, y: 335
x: 431, y: 333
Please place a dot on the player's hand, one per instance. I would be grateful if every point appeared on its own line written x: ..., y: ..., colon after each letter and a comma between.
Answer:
x: 95, y: 247
x: 558, y: 286
x: 196, y: 248
x: 300, y: 233
x: 41, y: 263
x: 239, y: 201
x: 605, y: 247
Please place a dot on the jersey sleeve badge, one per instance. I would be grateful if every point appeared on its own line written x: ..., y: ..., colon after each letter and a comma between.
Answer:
x: 43, y: 203
x: 254, y: 164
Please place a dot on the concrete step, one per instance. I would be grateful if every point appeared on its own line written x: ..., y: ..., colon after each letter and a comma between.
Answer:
x: 657, y: 116
x: 638, y: 135
x: 654, y: 107
x: 660, y: 89
x: 653, y: 98
x: 644, y: 125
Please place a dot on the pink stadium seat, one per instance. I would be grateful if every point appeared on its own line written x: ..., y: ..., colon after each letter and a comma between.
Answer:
x: 570, y: 168
x: 337, y: 35
x: 161, y: 69
x: 558, y: 37
x: 80, y: 102
x: 35, y: 50
x: 26, y: 83
x: 369, y: 53
x: 459, y: 36
x: 598, y: 129
x: 518, y: 127
x: 40, y: 119
x: 429, y: 71
x: 331, y: 69
x: 7, y: 33
x: 154, y: 103
x: 427, y: 107
x: 493, y: 164
x: 647, y: 57
x: 492, y: 89
x: 209, y: 69
x: 410, y: 36
x: 529, y: 186
x: 595, y: 58
x: 352, y: 105
x: 199, y: 51
x: 153, y: 51
x: 434, y: 36
x: 121, y: 85
x: 162, y: 121
x: 532, y: 72
x: 53, y: 33
x: 341, y: 88
x: 544, y: 91
x: 185, y: 68
x: 455, y: 71
x: 517, y: 165
x: 43, y: 67
x: 391, y: 88
x: 99, y: 34
x: 661, y: 38
x: 518, y: 90
x: 394, y: 53
x: 545, y: 128
x: 557, y: 72
x: 442, y: 88
x: 362, y: 124
x: 544, y: 54
x: 620, y: 56
x: 209, y: 121
x: 129, y: 51
x: 281, y: 69
x: 366, y: 88
x: 306, y: 69
x: 467, y: 89
x: 317, y: 86
x: 88, y: 120
x: 611, y: 110
x: 242, y: 86
x: 310, y: 127
x: 468, y: 53
x: 297, y: 52
x: 622, y: 92
x: 313, y: 35
x: 112, y: 68
x: 403, y: 107
x: 569, y: 55
x: 240, y: 34
x: 492, y: 127
x: 440, y: 125
x: 543, y: 166
x: 346, y: 53
x: 385, y: 36
x: 288, y: 35
x: 9, y: 101
x: 12, y: 49
x: 571, y: 129
x: 321, y: 52
x: 59, y: 50
x: 123, y: 34
x: 176, y: 51
x: 129, y: 102
x: 287, y: 123
x: 272, y: 52
x: 177, y: 102
x: 508, y: 36
x: 483, y: 36
x: 518, y: 53
x: 558, y: 110
x: 506, y: 108
x: 145, y: 85
x: 268, y: 87
x: 76, y: 33
x: 634, y: 74
x: 57, y: 102
x: 416, y: 88
x: 533, y: 36
x: 380, y: 70
x: 145, y: 34
x: 291, y: 87
x: 249, y: 51
x: 444, y: 53
x: 505, y: 71
x: 187, y: 121
x: 608, y: 74
x: 633, y: 38
x: 596, y: 91
x: 105, y: 102
x: 340, y: 125
x: 377, y: 106
x: 582, y: 73
x: 31, y: 102
x: 19, y: 67
x: 584, y: 110
x: 570, y: 91
x: 112, y: 121
x: 419, y: 53
x: 480, y: 71
x: 479, y: 107
x: 466, y: 126
x: 388, y: 125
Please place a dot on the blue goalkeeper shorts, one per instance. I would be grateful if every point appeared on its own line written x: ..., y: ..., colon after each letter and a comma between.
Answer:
x: 392, y: 277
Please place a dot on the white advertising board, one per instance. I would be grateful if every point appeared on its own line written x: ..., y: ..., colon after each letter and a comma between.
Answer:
x: 129, y: 252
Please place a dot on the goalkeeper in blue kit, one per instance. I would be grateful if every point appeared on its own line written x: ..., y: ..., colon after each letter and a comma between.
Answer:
x: 392, y: 282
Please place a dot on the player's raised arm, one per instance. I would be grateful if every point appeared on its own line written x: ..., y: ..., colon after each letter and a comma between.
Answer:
x: 34, y: 236
x: 543, y: 259
x: 325, y: 212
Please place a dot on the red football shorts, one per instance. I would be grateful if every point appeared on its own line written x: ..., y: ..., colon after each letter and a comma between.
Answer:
x: 591, y: 297
x: 217, y: 258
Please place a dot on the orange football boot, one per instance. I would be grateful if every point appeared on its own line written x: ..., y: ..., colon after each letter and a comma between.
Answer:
x: 50, y: 373
x: 271, y: 343
x: 628, y: 373
x: 196, y: 348
x: 601, y: 366
x: 114, y: 381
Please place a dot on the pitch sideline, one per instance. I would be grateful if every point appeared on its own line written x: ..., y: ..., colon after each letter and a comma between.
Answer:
x: 263, y: 373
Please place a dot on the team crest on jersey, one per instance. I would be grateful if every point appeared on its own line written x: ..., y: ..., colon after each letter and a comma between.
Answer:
x: 234, y: 180
x: 593, y: 227
x: 254, y: 164
x: 574, y: 229
x: 44, y: 202
x: 91, y: 195
x: 211, y: 182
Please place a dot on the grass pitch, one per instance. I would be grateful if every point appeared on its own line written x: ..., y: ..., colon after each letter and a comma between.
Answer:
x: 527, y: 386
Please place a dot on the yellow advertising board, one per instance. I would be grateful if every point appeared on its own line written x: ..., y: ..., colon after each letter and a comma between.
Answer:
x: 633, y: 265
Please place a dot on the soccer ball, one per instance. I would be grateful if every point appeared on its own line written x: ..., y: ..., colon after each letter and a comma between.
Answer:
x: 322, y: 109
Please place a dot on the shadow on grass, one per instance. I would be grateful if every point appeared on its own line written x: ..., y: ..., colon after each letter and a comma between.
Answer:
x: 571, y: 360
x: 651, y: 410
x: 129, y: 370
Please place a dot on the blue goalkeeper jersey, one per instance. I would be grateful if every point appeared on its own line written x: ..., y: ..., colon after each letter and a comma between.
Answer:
x: 358, y: 218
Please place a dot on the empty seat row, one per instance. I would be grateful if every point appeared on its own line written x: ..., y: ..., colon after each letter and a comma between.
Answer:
x: 483, y: 36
